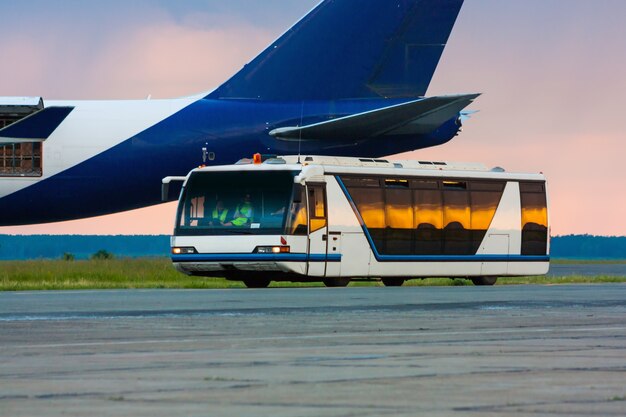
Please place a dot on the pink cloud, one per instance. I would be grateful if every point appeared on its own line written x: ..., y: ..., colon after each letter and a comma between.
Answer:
x: 168, y: 60
x: 164, y: 59
x: 146, y: 221
x: 23, y: 60
x: 584, y: 180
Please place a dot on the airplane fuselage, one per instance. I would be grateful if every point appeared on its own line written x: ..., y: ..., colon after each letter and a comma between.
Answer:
x: 106, y: 151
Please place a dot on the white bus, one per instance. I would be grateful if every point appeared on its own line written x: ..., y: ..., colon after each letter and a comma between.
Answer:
x: 337, y: 219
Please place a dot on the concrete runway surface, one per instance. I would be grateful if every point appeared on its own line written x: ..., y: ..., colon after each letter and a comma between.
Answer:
x: 564, y: 270
x: 513, y: 350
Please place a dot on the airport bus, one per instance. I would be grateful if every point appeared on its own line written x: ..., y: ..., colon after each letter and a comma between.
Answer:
x: 337, y: 219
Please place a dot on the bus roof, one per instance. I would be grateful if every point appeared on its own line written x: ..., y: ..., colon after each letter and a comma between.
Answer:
x: 374, y: 166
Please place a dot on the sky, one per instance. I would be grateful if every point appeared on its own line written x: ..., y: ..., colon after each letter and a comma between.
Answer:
x: 551, y: 74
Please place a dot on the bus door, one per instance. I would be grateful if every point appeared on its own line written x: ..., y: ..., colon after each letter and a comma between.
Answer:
x: 318, y: 229
x: 495, y: 244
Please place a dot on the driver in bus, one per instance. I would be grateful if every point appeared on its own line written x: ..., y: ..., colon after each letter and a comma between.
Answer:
x: 243, y: 213
x: 219, y: 214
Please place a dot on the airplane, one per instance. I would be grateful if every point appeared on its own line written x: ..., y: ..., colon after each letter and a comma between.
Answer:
x: 348, y: 79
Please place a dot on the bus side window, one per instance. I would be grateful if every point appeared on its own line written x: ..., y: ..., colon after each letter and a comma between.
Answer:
x: 297, y: 219
x: 534, y: 218
x: 317, y: 208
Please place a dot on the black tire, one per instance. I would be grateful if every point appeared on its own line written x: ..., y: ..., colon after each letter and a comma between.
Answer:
x: 256, y: 283
x: 336, y: 282
x: 392, y: 282
x: 484, y: 280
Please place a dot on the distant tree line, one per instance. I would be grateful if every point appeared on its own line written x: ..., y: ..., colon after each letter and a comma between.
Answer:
x: 589, y: 247
x: 70, y: 247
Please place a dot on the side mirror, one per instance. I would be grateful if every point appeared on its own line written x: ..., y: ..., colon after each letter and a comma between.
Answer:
x: 165, y: 186
x: 165, y: 191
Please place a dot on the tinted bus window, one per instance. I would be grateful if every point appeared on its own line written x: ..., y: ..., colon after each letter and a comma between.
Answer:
x: 317, y: 207
x: 297, y: 215
x: 456, y: 219
x: 427, y: 216
x: 483, y: 209
x: 399, y: 221
x: 361, y: 182
x: 370, y: 203
x: 428, y: 208
x: 226, y: 203
x: 534, y: 219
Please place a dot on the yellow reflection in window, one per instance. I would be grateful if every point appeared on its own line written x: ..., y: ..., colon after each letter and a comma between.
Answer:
x: 317, y: 224
x: 536, y: 215
x: 534, y: 209
x: 456, y: 214
x: 399, y: 209
x: 318, y: 209
x: 456, y: 209
x: 296, y: 222
x: 369, y: 202
x: 373, y: 215
x: 428, y: 209
x: 399, y: 217
x: 484, y: 205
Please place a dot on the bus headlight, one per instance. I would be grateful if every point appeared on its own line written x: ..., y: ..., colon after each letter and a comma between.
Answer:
x: 183, y: 250
x: 272, y: 249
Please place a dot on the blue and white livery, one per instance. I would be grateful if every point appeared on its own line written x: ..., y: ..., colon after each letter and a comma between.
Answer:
x: 335, y: 219
x: 348, y: 79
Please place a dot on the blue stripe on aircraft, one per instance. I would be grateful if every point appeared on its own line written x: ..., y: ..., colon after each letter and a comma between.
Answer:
x: 135, y: 167
x: 38, y: 126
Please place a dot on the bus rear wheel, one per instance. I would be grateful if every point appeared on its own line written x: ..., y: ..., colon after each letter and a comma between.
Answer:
x: 256, y: 283
x: 484, y: 280
x: 392, y: 282
x: 336, y: 282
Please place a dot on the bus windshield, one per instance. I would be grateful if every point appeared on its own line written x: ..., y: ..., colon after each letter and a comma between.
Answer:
x: 232, y: 203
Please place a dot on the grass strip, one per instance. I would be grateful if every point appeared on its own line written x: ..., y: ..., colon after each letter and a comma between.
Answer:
x: 588, y: 261
x: 159, y: 273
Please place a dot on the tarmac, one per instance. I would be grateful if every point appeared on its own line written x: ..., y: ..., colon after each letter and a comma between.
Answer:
x: 606, y: 269
x: 436, y: 351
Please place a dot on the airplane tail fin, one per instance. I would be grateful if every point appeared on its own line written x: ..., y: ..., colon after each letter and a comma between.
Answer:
x: 351, y: 49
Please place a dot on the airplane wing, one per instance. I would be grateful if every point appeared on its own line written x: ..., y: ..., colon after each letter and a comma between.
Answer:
x: 414, y: 117
x: 36, y: 127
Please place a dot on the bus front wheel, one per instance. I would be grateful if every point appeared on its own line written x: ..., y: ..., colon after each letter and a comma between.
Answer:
x: 256, y: 283
x: 336, y: 282
x: 484, y: 280
x: 392, y: 282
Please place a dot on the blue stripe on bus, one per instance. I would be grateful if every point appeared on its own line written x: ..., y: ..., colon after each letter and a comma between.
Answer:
x: 433, y: 258
x: 247, y: 257
x: 461, y: 258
